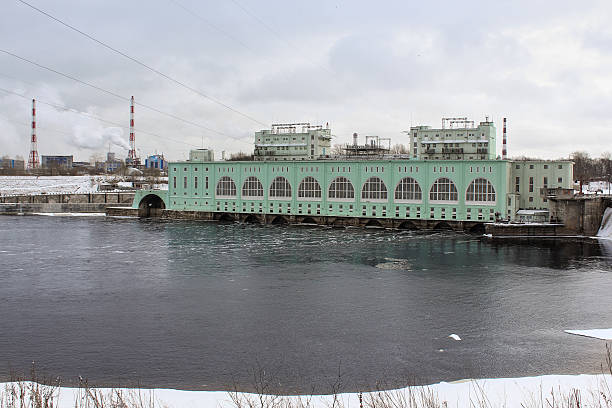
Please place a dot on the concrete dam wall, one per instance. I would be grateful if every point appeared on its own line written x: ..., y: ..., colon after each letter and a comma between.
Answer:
x: 64, y: 203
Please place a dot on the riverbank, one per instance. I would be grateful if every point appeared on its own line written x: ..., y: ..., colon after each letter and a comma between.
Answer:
x: 549, y: 391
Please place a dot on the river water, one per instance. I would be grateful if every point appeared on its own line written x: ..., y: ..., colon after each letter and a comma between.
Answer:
x: 198, y: 305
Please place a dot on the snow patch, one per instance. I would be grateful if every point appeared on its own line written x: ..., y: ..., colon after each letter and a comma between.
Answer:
x: 499, y: 392
x: 70, y: 214
x: 603, y: 334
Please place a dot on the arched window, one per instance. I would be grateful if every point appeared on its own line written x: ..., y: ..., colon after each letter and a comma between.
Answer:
x: 480, y: 190
x: 252, y: 187
x: 309, y: 188
x: 280, y: 188
x: 443, y: 190
x: 226, y: 187
x: 341, y: 189
x: 408, y: 189
x: 374, y: 189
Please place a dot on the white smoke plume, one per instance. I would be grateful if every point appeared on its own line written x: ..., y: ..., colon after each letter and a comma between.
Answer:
x: 97, y: 137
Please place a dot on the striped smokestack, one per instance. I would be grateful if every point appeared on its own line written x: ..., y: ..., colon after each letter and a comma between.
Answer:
x: 33, y: 162
x: 132, y: 152
x: 504, y: 143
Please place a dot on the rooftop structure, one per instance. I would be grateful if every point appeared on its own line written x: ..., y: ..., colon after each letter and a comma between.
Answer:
x: 292, y: 141
x: 201, y: 155
x: 457, y: 139
x: 374, y: 147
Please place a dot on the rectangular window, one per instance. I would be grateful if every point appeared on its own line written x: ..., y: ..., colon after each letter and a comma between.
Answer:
x: 206, y: 180
x: 174, y: 182
x: 560, y: 180
x: 545, y: 182
x: 531, y: 184
x: 185, y: 182
x: 195, y: 182
x: 517, y: 185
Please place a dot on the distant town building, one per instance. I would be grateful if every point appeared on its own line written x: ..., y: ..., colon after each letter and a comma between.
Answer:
x: 457, y: 139
x: 292, y: 141
x: 205, y: 155
x: 55, y: 162
x: 156, y: 161
x: 111, y: 165
x: 8, y: 163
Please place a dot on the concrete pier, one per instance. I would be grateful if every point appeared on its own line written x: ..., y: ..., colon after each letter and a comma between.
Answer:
x: 63, y: 203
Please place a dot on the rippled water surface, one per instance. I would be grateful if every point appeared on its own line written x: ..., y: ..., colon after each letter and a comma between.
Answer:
x: 201, y: 306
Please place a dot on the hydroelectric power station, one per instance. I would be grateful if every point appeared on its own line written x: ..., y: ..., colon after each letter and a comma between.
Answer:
x: 451, y: 178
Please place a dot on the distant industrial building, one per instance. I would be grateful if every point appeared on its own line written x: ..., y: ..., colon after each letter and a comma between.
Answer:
x: 156, y: 161
x: 57, y: 162
x: 292, y: 141
x: 111, y: 165
x: 8, y: 163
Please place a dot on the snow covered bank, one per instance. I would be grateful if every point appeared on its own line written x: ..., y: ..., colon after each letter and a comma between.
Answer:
x: 603, y: 334
x: 13, y: 185
x: 501, y: 392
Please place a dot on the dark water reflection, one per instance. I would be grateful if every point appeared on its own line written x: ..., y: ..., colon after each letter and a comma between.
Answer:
x: 199, y: 305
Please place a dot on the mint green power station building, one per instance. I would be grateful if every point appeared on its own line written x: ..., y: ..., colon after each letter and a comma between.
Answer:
x: 450, y: 178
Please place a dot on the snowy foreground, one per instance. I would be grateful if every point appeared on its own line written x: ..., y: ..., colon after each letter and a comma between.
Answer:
x: 541, y: 391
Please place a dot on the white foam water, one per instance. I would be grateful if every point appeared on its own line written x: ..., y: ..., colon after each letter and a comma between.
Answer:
x: 605, y: 229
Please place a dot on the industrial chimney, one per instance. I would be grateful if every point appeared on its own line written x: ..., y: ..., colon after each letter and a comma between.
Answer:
x: 33, y: 162
x: 504, y: 142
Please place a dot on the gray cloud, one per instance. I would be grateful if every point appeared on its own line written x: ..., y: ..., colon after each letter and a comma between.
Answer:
x: 393, y: 64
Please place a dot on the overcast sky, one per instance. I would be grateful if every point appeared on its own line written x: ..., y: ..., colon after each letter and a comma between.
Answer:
x: 372, y: 67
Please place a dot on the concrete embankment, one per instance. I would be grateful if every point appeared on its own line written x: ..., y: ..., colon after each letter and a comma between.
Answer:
x: 63, y: 203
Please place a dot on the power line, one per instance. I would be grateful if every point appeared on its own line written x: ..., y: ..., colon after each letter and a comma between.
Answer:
x: 142, y: 64
x: 116, y: 95
x: 274, y: 32
x: 73, y: 110
x: 213, y: 26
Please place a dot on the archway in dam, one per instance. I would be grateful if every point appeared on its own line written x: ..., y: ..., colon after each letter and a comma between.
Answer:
x: 279, y: 220
x: 477, y: 229
x: 407, y: 225
x: 225, y: 217
x: 151, y: 205
x: 308, y: 220
x: 373, y: 224
x: 252, y: 219
x: 443, y: 226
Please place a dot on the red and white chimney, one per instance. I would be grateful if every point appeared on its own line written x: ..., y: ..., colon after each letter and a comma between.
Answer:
x: 33, y: 162
x: 504, y: 143
x: 132, y: 152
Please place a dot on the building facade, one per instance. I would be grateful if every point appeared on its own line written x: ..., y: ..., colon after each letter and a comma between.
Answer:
x: 407, y: 189
x: 451, y: 174
x: 461, y: 140
x: 64, y: 162
x: 156, y: 161
x: 292, y: 141
x: 8, y: 163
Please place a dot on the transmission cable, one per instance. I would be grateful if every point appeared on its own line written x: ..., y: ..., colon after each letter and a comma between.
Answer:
x: 74, y: 110
x: 116, y: 95
x: 142, y: 64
